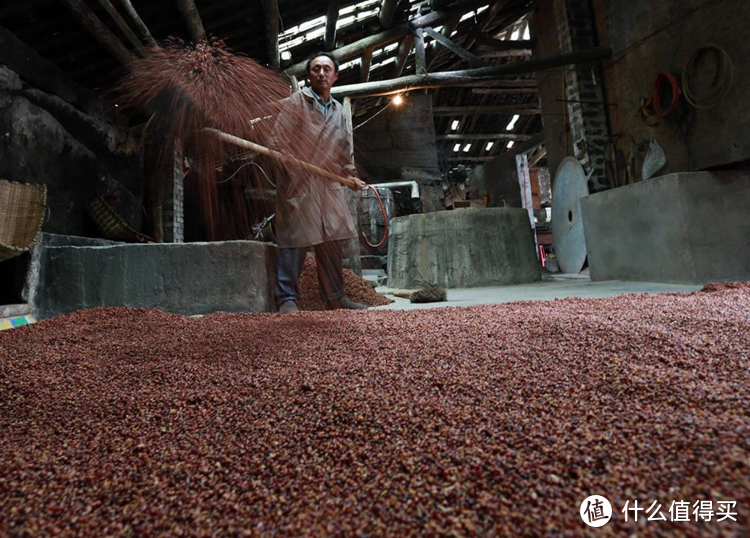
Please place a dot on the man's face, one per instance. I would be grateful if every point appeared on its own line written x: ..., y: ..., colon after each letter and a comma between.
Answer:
x: 322, y: 74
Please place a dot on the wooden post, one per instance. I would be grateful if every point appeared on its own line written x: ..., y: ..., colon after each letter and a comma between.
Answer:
x: 420, y: 57
x: 190, y: 15
x: 364, y: 68
x: 351, y: 249
x: 99, y: 31
x: 403, y: 54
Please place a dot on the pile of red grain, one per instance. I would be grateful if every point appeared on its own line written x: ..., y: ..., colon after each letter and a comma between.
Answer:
x: 357, y: 289
x: 494, y: 420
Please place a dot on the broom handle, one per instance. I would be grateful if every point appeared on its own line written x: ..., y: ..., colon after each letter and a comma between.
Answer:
x: 257, y: 148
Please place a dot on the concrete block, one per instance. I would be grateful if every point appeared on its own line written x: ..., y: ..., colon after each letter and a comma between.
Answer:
x: 687, y: 228
x: 187, y: 278
x: 463, y: 248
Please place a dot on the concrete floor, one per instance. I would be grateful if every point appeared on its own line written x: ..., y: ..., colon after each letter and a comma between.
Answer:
x: 557, y: 287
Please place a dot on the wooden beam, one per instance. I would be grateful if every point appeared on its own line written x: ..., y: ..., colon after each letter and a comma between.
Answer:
x: 500, y: 136
x: 387, y: 9
x: 469, y: 77
x: 420, y: 57
x: 271, y: 23
x: 504, y: 44
x: 511, y: 53
x: 455, y: 49
x: 332, y: 18
x: 142, y: 28
x: 364, y: 67
x: 503, y: 91
x: 353, y: 50
x: 99, y: 31
x: 192, y: 18
x: 469, y: 159
x: 447, y: 30
x: 538, y: 157
x: 521, y: 109
x: 121, y: 24
x: 403, y: 54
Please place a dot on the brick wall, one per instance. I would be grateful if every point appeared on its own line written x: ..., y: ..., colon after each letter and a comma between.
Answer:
x: 583, y: 85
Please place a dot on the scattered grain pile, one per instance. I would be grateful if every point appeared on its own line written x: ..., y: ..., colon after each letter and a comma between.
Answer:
x: 494, y: 420
x: 357, y: 289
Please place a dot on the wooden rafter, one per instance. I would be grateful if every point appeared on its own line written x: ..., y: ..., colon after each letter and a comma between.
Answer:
x: 364, y: 67
x: 520, y: 109
x: 192, y: 18
x: 332, y: 18
x: 271, y: 17
x: 420, y: 57
x: 356, y: 49
x: 142, y: 28
x: 121, y: 24
x: 455, y: 49
x: 499, y: 136
x: 387, y: 10
x: 99, y: 30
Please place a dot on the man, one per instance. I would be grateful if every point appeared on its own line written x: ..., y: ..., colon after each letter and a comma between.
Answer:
x: 312, y: 211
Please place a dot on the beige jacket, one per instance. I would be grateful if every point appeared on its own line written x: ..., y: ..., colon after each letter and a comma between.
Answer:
x: 312, y: 209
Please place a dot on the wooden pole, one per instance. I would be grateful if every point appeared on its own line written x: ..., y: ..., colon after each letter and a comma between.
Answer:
x: 332, y: 18
x: 521, y: 110
x: 455, y: 49
x: 469, y: 77
x: 499, y: 136
x: 364, y: 68
x: 121, y: 24
x: 142, y: 28
x: 271, y: 14
x: 387, y: 9
x: 420, y: 57
x: 99, y: 31
x: 257, y: 148
x: 190, y: 15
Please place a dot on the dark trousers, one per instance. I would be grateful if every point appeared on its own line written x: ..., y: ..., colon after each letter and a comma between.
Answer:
x: 330, y: 272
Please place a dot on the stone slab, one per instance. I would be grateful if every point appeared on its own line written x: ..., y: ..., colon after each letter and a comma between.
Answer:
x: 463, y: 248
x: 187, y: 278
x: 687, y: 228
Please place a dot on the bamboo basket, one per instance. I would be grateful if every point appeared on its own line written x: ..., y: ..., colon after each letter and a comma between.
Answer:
x: 112, y: 226
x: 22, y: 210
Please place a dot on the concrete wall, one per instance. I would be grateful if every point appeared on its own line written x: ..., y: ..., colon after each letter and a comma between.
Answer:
x: 187, y: 278
x: 687, y: 228
x: 719, y: 136
x: 463, y: 248
x: 399, y: 143
x: 54, y: 132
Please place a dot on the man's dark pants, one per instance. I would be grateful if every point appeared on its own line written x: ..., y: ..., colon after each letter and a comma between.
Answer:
x: 330, y: 273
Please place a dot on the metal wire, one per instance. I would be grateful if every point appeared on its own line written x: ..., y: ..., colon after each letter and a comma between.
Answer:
x: 243, y: 166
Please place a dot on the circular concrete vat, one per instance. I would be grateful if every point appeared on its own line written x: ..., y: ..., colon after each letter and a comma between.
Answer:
x: 463, y: 248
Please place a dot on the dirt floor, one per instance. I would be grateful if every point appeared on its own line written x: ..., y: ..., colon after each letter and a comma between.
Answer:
x: 491, y: 420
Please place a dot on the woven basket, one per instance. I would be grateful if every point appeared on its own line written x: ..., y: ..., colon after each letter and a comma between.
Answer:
x: 112, y: 226
x: 21, y: 217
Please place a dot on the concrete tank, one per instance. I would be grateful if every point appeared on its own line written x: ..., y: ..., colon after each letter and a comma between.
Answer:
x: 462, y: 248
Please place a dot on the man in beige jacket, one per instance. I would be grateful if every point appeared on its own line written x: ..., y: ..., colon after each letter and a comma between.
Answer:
x: 311, y: 211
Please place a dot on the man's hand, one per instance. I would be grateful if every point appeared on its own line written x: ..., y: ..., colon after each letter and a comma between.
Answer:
x: 356, y: 183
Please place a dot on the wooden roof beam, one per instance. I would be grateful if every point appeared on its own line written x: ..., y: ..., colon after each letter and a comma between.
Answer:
x: 387, y: 10
x: 121, y: 24
x: 520, y: 109
x: 455, y: 49
x: 499, y: 136
x: 99, y: 31
x: 271, y: 16
x: 332, y: 18
x: 192, y: 18
x: 469, y: 77
x: 139, y: 24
